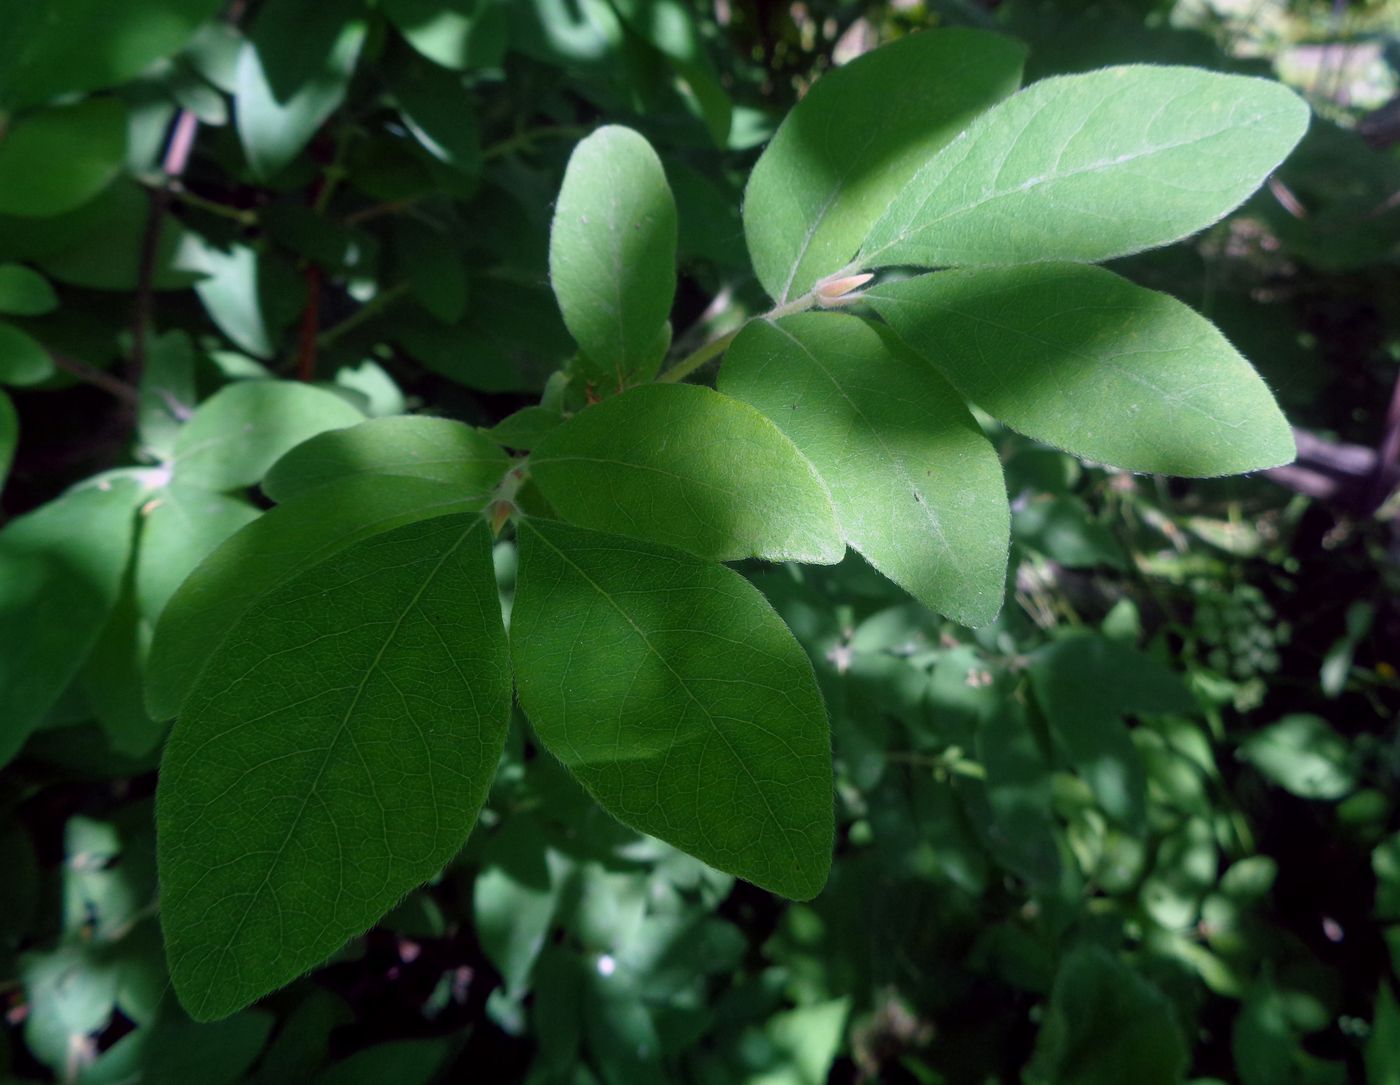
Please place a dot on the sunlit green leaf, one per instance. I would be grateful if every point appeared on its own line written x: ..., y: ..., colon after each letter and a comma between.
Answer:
x: 1084, y: 360
x: 1089, y: 167
x: 332, y: 756
x: 916, y: 486
x: 461, y: 34
x: 612, y: 253
x: 669, y: 687
x: 60, y: 575
x: 1304, y: 755
x: 686, y: 466
x: 856, y: 141
x: 279, y: 545
x: 420, y: 446
x: 243, y: 429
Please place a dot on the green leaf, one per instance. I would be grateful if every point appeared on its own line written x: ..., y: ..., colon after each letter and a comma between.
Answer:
x: 514, y: 899
x: 404, y: 1062
x: 612, y: 253
x: 1383, y: 1047
x: 433, y: 448
x: 459, y: 34
x: 24, y: 292
x: 857, y: 140
x: 277, y: 546
x: 1062, y: 529
x: 61, y: 568
x: 167, y: 393
x: 440, y: 112
x: 22, y: 359
x: 671, y: 27
x: 244, y: 292
x: 683, y: 465
x: 430, y: 261
x: 1089, y: 167
x: 1081, y: 359
x: 1303, y: 755
x: 334, y: 755
x: 62, y: 46
x: 59, y: 158
x: 917, y: 487
x: 292, y: 75
x: 673, y: 692
x: 1106, y: 1025
x: 9, y: 435
x: 525, y: 428
x: 181, y: 527
x: 1085, y: 684
x: 244, y: 428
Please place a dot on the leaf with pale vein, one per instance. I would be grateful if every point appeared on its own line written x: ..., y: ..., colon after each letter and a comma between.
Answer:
x: 277, y: 546
x: 916, y: 485
x: 1089, y: 167
x: 686, y: 466
x: 672, y: 691
x: 854, y: 142
x: 1081, y: 359
x: 334, y: 755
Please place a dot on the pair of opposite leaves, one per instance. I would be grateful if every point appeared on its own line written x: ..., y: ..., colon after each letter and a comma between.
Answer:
x: 335, y: 750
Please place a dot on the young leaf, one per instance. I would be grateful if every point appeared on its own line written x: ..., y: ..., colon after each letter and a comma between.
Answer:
x: 23, y: 360
x: 683, y: 465
x: 434, y: 448
x: 60, y: 574
x: 917, y: 487
x: 333, y: 755
x: 277, y: 546
x: 854, y: 142
x: 243, y: 429
x: 24, y: 292
x: 58, y: 159
x: 1089, y: 167
x: 292, y: 75
x: 678, y: 698
x: 612, y: 253
x: 1078, y: 358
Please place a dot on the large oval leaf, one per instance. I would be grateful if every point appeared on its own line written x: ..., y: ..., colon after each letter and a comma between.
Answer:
x: 1089, y: 167
x: 277, y: 546
x: 612, y: 254
x: 916, y: 485
x: 59, y: 158
x: 679, y: 699
x: 683, y: 465
x: 334, y: 755
x: 853, y: 143
x: 1084, y: 360
x: 436, y: 448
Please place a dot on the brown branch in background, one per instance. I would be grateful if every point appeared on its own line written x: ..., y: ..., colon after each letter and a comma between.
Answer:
x: 307, y: 339
x: 177, y: 157
x: 99, y: 378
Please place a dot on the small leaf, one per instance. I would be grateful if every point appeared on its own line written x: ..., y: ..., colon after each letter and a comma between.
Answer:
x: 24, y: 292
x: 244, y: 428
x: 1089, y: 167
x: 333, y: 755
x: 686, y: 466
x: 277, y: 546
x: 1081, y: 359
x: 61, y: 568
x: 59, y: 158
x: 422, y: 447
x: 677, y: 697
x: 9, y: 435
x: 917, y: 487
x: 244, y: 293
x: 855, y: 142
x: 22, y: 359
x: 612, y: 253
x: 440, y: 112
x: 525, y: 428
x: 1303, y: 755
x: 458, y: 34
x: 292, y: 75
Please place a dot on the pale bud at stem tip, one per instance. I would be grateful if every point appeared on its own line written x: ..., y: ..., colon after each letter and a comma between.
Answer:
x: 832, y: 292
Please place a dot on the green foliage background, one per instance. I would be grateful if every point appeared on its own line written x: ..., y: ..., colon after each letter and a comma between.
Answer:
x: 1140, y: 828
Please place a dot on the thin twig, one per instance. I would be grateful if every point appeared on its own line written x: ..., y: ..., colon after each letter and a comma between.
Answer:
x: 369, y: 309
x: 310, y: 325
x: 99, y: 378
